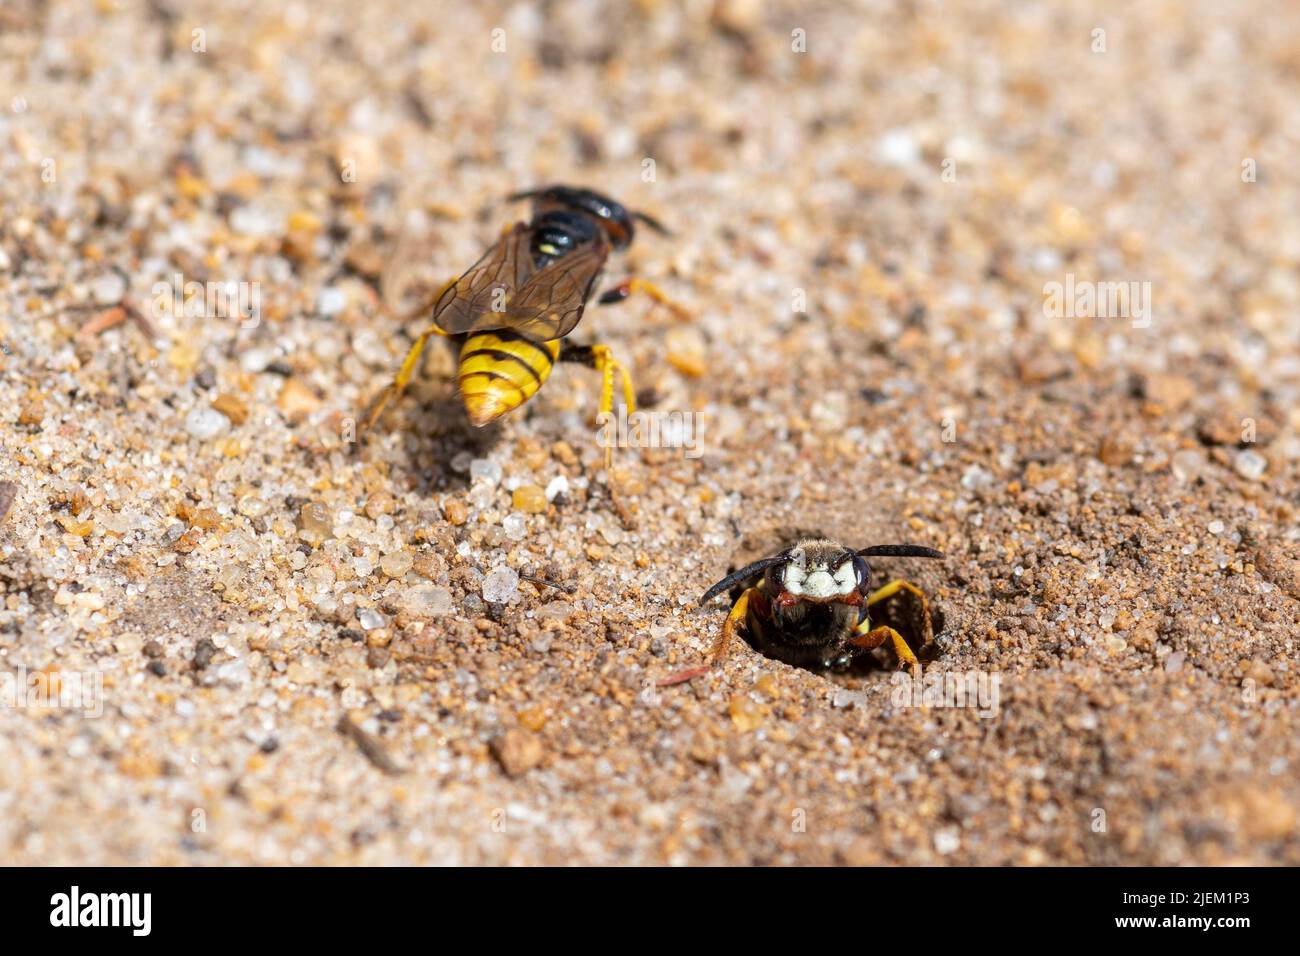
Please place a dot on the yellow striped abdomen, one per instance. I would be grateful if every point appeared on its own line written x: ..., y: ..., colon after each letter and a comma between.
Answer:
x: 500, y: 370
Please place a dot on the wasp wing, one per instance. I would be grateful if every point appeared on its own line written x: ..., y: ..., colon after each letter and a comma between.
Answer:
x: 480, y: 299
x: 550, y: 303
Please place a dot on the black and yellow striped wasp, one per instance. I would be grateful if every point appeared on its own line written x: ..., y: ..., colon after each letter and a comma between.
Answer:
x: 510, y: 312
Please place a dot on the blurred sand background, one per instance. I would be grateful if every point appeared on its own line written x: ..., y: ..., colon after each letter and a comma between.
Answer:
x: 317, y: 654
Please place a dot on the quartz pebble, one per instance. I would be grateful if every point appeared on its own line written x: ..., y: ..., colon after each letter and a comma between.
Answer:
x: 396, y: 563
x: 515, y: 526
x: 370, y: 619
x: 500, y: 585
x: 206, y: 423
x: 425, y: 601
x: 1250, y: 464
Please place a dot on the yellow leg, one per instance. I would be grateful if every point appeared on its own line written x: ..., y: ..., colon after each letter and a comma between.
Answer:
x: 869, y: 637
x: 892, y: 588
x: 739, y: 612
x: 602, y: 359
x: 407, y: 371
x: 647, y: 288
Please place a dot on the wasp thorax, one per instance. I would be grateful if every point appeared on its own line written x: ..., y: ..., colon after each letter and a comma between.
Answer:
x: 819, y: 571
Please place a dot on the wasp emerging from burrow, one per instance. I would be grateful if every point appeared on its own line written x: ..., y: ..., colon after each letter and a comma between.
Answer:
x: 509, y: 312
x: 809, y: 606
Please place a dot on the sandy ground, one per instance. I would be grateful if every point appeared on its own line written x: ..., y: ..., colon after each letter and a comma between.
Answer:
x: 310, y: 652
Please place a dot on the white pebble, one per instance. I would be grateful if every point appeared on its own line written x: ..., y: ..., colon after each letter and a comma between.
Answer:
x: 947, y: 841
x: 558, y: 486
x: 256, y: 360
x: 500, y: 585
x: 206, y: 423
x: 515, y: 527
x: 1250, y: 464
x: 109, y: 289
x: 484, y: 469
x: 370, y: 619
x: 331, y: 301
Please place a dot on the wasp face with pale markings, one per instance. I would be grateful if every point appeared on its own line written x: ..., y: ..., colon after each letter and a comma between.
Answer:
x: 809, y: 604
x: 819, y: 572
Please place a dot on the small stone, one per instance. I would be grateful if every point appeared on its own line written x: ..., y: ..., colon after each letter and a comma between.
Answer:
x: 1260, y: 673
x: 455, y: 512
x: 1186, y: 464
x: 1250, y: 464
x: 1115, y: 451
x: 204, y: 651
x: 515, y: 526
x: 424, y: 601
x: 500, y: 585
x: 396, y: 564
x: 296, y: 400
x: 232, y: 406
x: 380, y: 504
x: 256, y: 360
x: 518, y: 751
x: 555, y: 611
x: 481, y: 494
x: 206, y: 423
x: 529, y: 499
x: 109, y: 289
x: 251, y: 506
x: 897, y: 147
x: 947, y: 841
x: 1174, y: 662
x: 745, y: 714
x: 556, y: 487
x: 315, y: 524
x: 976, y: 477
x: 484, y: 469
x: 183, y: 357
x: 1041, y: 367
x: 369, y: 618
x: 1171, y: 392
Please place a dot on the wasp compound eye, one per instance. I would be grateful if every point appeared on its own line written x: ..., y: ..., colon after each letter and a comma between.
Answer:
x: 776, y: 575
x: 862, y: 572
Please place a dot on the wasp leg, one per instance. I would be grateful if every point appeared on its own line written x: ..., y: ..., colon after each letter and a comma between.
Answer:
x: 407, y: 371
x: 869, y: 637
x: 892, y: 588
x: 739, y: 612
x: 601, y: 358
x: 631, y: 286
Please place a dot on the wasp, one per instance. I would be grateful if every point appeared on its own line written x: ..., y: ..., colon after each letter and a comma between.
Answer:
x: 809, y: 605
x: 509, y: 313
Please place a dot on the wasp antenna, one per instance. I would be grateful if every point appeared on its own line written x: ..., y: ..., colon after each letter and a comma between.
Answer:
x: 899, y: 551
x: 653, y: 223
x: 527, y: 194
x: 743, y: 574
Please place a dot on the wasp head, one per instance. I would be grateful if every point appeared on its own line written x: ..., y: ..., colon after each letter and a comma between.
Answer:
x: 819, y: 572
x: 614, y: 218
